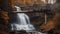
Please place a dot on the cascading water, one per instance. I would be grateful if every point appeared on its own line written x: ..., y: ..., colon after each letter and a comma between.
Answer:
x: 23, y: 22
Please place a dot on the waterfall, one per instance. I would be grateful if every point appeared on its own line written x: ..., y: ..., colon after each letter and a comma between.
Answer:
x: 51, y: 1
x: 23, y: 21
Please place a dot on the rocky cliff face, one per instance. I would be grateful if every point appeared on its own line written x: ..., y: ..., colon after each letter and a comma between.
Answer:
x: 36, y: 18
x: 4, y: 22
x: 30, y: 2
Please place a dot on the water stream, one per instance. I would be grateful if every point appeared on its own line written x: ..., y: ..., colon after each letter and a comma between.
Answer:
x: 23, y: 23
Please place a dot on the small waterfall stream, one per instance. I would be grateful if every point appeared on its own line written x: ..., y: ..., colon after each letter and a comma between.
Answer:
x: 23, y: 23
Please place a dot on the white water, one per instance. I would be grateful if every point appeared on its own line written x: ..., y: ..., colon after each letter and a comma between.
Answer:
x: 23, y: 21
x: 51, y: 1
